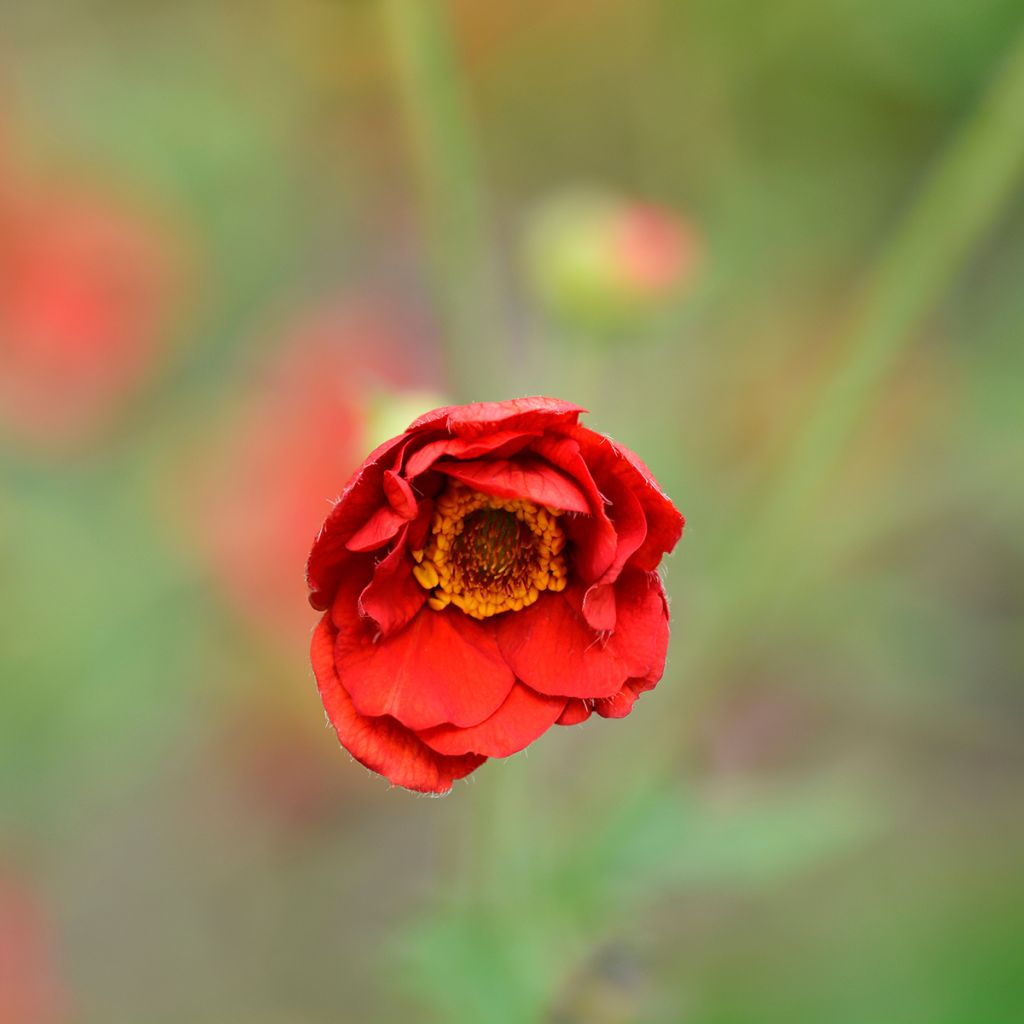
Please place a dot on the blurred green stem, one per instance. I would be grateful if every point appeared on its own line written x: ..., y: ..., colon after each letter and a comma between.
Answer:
x: 448, y: 169
x: 957, y: 204
x: 963, y: 196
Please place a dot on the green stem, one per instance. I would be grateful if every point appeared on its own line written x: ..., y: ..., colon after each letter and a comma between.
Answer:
x: 958, y: 203
x: 969, y: 186
x: 450, y: 182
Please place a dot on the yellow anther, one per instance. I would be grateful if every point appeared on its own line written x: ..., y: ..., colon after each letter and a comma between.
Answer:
x: 426, y: 575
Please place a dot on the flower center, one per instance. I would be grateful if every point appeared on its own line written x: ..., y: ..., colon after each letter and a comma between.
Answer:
x: 488, y: 555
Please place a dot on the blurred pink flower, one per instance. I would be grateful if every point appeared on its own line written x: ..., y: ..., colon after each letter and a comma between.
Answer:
x: 30, y: 990
x: 85, y: 291
x: 268, y: 477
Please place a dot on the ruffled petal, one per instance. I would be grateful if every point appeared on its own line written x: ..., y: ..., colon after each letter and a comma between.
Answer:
x: 592, y: 535
x: 381, y: 744
x: 377, y: 530
x: 479, y: 418
x: 393, y: 596
x: 399, y: 494
x: 620, y: 704
x: 610, y: 461
x: 443, y: 667
x: 641, y: 631
x: 360, y: 499
x: 529, y: 478
x: 523, y: 717
x: 501, y: 444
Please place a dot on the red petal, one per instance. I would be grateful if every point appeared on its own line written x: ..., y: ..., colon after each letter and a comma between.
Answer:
x: 576, y: 711
x: 377, y: 530
x: 529, y: 478
x: 516, y: 414
x: 608, y: 460
x: 442, y: 667
x: 500, y: 443
x: 593, y: 535
x: 550, y: 647
x: 393, y: 596
x: 620, y: 704
x: 630, y: 530
x: 599, y: 607
x: 523, y: 717
x: 381, y: 743
x: 359, y: 500
x: 399, y: 494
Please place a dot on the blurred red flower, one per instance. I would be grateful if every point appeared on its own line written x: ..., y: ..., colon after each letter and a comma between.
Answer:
x: 85, y: 291
x: 266, y: 476
x: 30, y: 991
x: 484, y: 575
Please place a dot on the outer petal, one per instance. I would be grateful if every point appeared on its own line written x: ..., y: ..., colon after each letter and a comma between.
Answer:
x: 522, y: 414
x: 526, y: 477
x: 550, y: 647
x: 610, y: 461
x: 620, y: 705
x: 381, y: 743
x: 360, y: 499
x: 576, y: 710
x: 443, y: 667
x: 523, y: 717
x: 593, y: 535
x: 630, y: 531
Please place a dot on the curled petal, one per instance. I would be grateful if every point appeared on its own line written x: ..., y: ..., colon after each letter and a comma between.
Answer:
x: 610, y: 461
x: 620, y: 704
x: 381, y: 744
x: 529, y: 478
x: 523, y: 717
x: 501, y: 443
x: 399, y: 494
x: 360, y: 499
x: 593, y: 534
x: 599, y: 607
x: 377, y: 530
x: 393, y: 596
x: 576, y: 710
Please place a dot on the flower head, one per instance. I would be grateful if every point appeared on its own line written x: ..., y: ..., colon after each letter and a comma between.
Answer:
x: 485, y: 575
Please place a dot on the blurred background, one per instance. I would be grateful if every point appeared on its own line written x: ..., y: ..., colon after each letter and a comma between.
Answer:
x: 777, y: 249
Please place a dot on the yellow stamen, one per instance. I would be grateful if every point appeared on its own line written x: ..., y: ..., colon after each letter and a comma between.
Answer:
x: 488, y: 555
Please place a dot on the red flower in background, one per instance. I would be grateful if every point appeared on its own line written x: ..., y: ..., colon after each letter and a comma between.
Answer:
x: 30, y: 991
x: 85, y: 292
x: 485, y: 575
x: 264, y: 477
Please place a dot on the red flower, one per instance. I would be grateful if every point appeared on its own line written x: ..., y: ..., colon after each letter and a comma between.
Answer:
x: 485, y: 575
x: 85, y: 294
